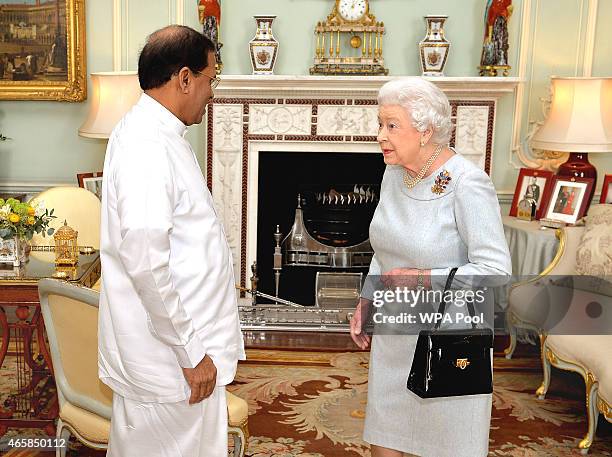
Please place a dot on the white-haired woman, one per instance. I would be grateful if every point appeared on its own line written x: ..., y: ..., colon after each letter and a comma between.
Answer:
x: 437, y: 211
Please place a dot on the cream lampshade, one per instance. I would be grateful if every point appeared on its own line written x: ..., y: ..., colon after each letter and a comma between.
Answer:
x: 579, y: 122
x: 113, y: 94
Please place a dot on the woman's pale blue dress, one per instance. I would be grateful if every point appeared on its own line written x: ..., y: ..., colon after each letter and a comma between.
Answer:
x: 417, y: 228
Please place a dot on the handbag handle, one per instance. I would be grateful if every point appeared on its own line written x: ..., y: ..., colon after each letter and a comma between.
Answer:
x: 442, y: 306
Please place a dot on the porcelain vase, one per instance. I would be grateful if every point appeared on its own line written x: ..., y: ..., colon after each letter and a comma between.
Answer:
x: 13, y: 251
x: 263, y: 47
x: 433, y: 49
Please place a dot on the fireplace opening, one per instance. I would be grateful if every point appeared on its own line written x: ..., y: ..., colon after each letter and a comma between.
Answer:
x: 336, y: 194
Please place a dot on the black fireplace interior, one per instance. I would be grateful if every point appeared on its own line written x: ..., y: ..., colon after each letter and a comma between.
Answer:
x: 285, y: 175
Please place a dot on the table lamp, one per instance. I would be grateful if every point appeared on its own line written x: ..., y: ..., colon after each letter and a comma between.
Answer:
x: 579, y: 122
x: 112, y: 95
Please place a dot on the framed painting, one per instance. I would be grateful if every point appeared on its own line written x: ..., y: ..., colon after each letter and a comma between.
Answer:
x: 569, y: 199
x: 535, y: 184
x: 92, y: 182
x: 42, y: 50
x: 606, y: 190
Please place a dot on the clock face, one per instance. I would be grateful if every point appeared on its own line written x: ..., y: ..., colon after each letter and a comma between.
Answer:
x: 352, y: 10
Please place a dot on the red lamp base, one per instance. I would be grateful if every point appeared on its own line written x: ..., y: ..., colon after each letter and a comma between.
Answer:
x: 578, y: 166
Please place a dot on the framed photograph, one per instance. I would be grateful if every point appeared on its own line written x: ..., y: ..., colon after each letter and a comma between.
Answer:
x: 92, y: 182
x: 42, y: 50
x: 569, y: 198
x: 536, y: 184
x: 606, y: 190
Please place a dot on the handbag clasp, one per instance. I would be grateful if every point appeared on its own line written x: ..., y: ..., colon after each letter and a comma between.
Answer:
x: 462, y: 363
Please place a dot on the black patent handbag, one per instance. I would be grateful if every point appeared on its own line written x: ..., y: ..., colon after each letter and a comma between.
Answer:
x: 451, y: 363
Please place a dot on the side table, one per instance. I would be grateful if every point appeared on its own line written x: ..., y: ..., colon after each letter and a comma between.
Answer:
x: 32, y: 401
x: 532, y: 249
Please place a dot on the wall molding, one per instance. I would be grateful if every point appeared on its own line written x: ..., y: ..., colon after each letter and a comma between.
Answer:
x: 521, y: 154
x: 117, y: 54
x: 180, y: 12
x: 589, y: 41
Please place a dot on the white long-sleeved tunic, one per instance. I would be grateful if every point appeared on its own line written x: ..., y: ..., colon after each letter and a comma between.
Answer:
x: 168, y: 294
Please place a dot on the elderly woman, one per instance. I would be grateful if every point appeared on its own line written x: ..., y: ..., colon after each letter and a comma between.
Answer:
x: 437, y: 211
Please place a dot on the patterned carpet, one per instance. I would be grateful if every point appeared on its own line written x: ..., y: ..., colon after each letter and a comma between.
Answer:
x: 311, y: 404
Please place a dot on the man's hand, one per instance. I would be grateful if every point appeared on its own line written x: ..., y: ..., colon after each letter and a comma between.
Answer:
x: 201, y: 379
x: 358, y: 321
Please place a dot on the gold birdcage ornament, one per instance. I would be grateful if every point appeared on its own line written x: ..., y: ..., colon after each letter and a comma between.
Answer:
x: 66, y: 246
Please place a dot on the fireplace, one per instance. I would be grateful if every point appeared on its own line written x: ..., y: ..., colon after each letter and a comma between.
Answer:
x: 267, y: 136
x: 337, y: 194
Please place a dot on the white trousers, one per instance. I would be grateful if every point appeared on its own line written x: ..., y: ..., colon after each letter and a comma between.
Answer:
x: 169, y: 429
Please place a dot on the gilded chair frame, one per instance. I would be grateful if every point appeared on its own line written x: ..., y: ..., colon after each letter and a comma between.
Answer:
x: 240, y: 435
x: 595, y: 403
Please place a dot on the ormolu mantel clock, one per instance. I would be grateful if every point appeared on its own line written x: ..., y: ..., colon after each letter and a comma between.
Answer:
x: 349, y: 41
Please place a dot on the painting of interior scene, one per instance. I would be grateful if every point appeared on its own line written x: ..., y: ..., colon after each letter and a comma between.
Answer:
x: 33, y: 43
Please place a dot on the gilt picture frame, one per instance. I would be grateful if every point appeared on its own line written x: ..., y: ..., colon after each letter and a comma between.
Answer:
x: 42, y: 50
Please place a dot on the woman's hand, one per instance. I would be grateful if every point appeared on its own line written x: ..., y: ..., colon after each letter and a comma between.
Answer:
x: 405, y: 277
x: 358, y: 322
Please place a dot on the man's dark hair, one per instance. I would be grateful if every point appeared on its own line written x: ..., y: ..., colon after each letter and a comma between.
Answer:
x: 170, y: 49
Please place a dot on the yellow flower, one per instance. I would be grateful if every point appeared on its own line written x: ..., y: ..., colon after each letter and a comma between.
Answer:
x: 31, y: 220
x: 31, y: 211
x: 14, y: 218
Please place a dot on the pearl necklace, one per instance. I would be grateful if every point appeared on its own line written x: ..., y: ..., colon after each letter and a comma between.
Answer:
x: 410, y: 181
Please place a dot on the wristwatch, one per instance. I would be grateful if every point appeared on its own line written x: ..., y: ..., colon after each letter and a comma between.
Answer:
x: 420, y: 280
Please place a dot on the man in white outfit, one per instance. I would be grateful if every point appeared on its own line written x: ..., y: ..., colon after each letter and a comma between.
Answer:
x: 169, y: 334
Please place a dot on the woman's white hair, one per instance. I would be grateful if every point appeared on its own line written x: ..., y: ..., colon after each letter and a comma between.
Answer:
x: 424, y: 102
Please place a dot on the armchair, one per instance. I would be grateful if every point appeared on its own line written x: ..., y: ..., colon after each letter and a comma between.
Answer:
x: 70, y: 313
x: 574, y: 321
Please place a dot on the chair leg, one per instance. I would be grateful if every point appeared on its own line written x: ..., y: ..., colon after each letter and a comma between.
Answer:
x: 592, y: 414
x: 512, y: 346
x: 240, y: 441
x: 62, y: 434
x: 541, y: 392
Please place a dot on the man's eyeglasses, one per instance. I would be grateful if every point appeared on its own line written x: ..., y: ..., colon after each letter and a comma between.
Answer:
x: 214, y: 81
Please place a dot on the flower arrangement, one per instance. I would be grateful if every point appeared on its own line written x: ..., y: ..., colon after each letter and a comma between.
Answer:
x: 22, y: 220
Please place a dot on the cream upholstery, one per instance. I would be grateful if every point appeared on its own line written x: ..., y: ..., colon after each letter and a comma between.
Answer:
x: 237, y: 409
x: 563, y: 310
x: 79, y: 208
x: 92, y: 427
x: 71, y: 318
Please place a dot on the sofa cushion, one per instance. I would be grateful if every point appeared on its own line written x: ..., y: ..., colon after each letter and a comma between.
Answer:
x: 89, y: 425
x: 594, y: 253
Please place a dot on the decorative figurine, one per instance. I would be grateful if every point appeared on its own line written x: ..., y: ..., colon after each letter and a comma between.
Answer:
x: 434, y: 47
x: 263, y: 48
x: 209, y: 14
x: 495, y: 47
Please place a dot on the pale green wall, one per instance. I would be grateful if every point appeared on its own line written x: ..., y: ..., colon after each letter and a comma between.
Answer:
x: 46, y: 148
